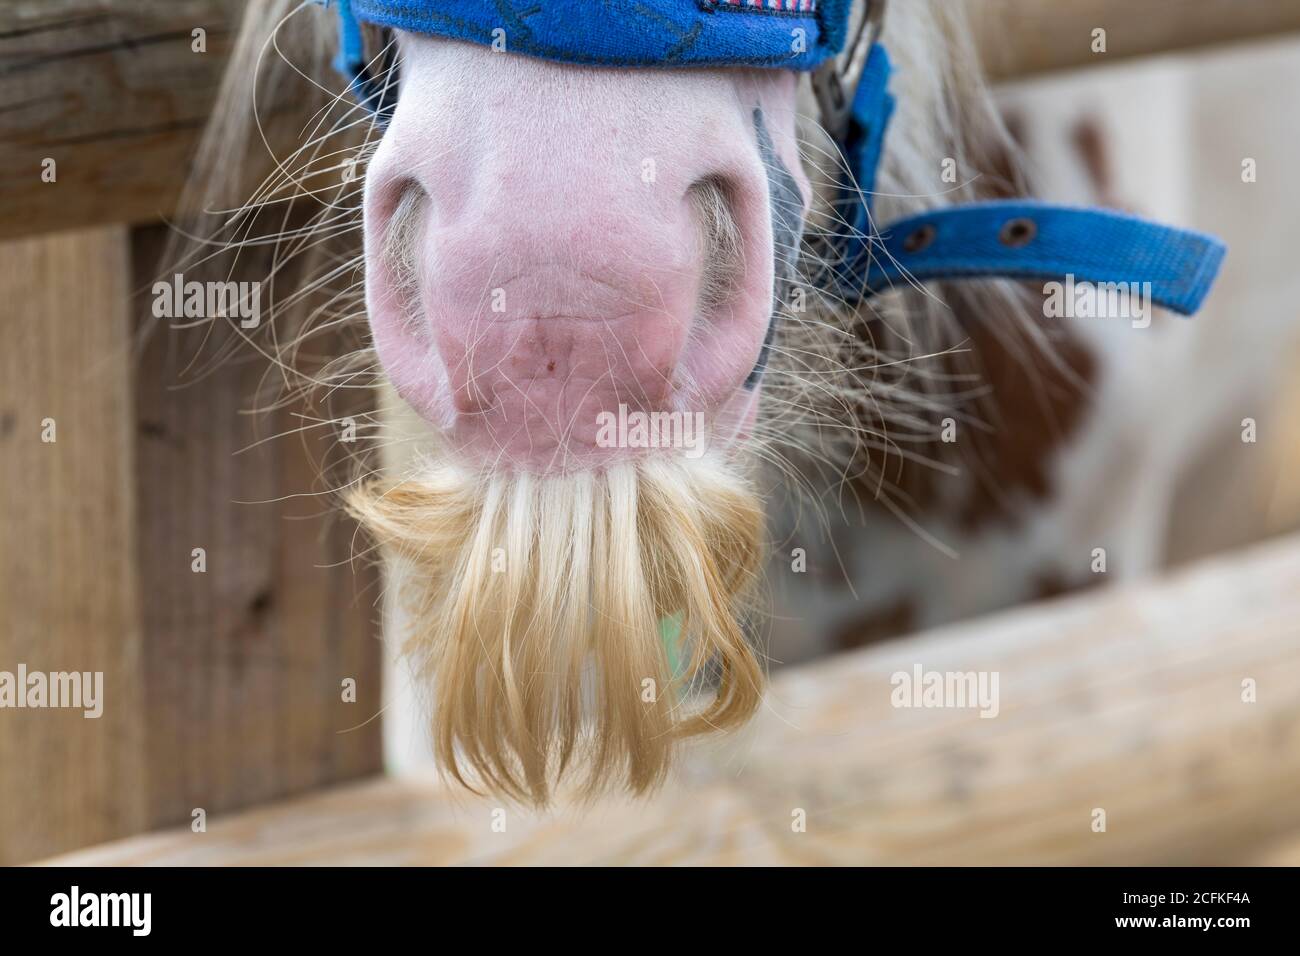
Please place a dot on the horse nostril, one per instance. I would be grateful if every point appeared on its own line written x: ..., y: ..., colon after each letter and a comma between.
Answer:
x: 720, y: 240
x: 400, y: 242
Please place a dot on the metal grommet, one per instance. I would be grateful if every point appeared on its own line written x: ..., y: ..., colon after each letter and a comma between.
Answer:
x: 919, y: 238
x: 1018, y: 232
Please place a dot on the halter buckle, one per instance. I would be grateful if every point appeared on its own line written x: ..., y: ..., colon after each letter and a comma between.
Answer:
x: 835, y: 81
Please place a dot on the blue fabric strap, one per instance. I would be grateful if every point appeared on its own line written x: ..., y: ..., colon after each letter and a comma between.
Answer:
x: 1013, y: 239
x: 352, y: 53
x: 873, y: 107
x: 1031, y: 240
x: 378, y: 96
x: 834, y: 18
x: 789, y: 34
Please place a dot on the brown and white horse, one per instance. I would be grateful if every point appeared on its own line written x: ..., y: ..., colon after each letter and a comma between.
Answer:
x: 556, y: 256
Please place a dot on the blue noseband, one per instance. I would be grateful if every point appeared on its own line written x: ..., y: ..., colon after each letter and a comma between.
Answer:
x: 1013, y: 239
x: 792, y: 34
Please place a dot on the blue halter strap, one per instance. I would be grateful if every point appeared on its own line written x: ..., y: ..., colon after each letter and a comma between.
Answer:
x: 1013, y: 239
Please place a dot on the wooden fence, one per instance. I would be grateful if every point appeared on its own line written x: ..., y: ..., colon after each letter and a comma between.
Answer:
x: 222, y: 687
x: 1154, y: 724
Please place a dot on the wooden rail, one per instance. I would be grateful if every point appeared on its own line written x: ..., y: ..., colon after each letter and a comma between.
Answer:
x: 1021, y: 37
x: 114, y: 93
x: 1132, y: 702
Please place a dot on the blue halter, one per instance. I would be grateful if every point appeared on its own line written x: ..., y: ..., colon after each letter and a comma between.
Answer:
x: 1014, y: 239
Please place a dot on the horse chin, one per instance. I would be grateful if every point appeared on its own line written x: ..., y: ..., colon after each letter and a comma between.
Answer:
x: 569, y: 623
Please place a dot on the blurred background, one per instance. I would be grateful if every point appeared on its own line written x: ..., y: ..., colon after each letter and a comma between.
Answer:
x: 252, y: 713
x: 1168, y: 138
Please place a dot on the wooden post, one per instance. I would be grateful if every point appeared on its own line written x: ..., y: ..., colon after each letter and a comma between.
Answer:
x: 221, y: 688
x: 243, y: 664
x: 68, y: 575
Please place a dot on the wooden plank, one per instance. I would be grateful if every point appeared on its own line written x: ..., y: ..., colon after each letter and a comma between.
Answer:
x: 1021, y: 37
x: 67, y: 540
x: 1284, y: 852
x: 243, y: 664
x: 111, y: 90
x: 113, y: 93
x: 1124, y: 700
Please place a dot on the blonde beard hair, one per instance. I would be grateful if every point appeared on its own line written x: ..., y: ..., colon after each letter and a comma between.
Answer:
x: 535, y: 605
